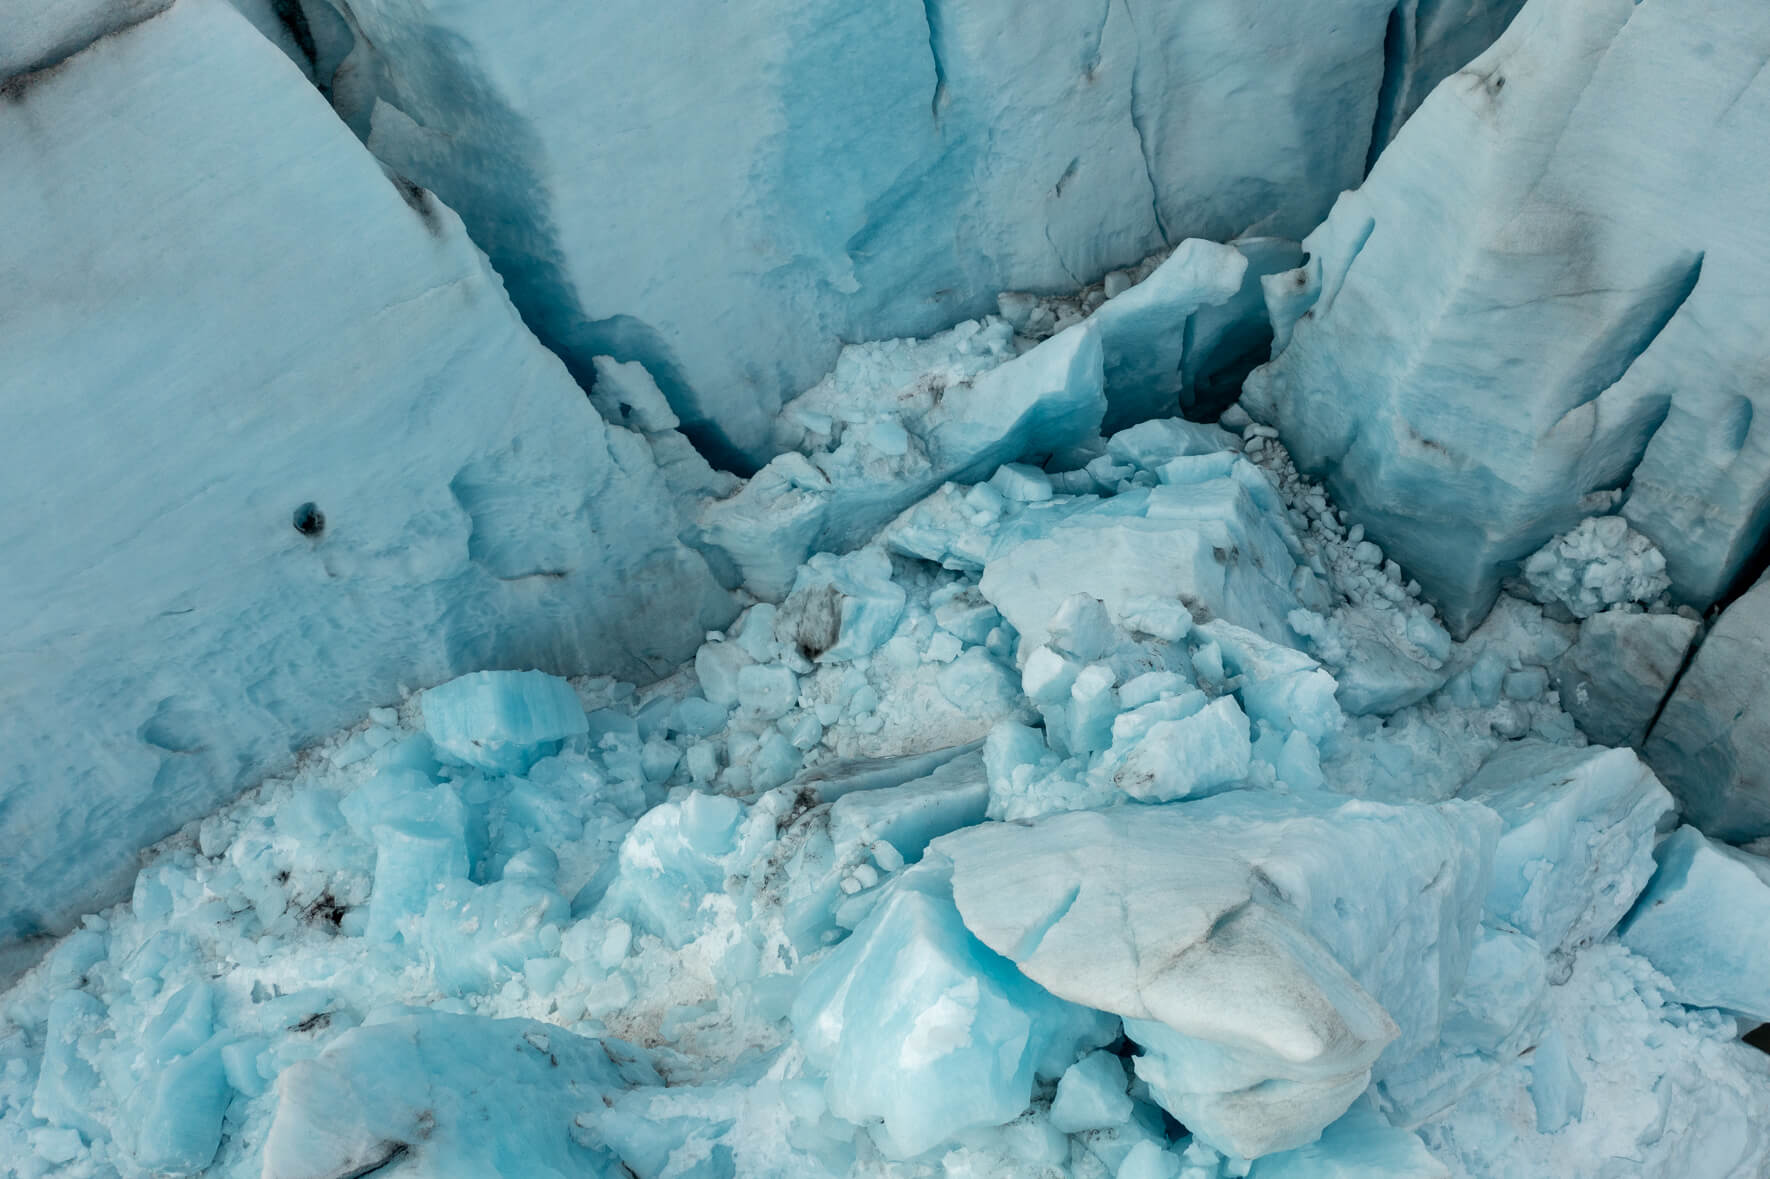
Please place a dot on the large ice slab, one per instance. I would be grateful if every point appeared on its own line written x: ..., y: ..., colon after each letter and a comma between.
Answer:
x: 1708, y: 743
x: 850, y: 174
x: 1700, y: 923
x: 1527, y: 304
x: 1577, y: 847
x: 259, y: 485
x: 1265, y: 950
x: 925, y: 1029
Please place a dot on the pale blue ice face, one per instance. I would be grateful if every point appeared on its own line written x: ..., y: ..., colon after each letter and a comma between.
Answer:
x: 1012, y: 776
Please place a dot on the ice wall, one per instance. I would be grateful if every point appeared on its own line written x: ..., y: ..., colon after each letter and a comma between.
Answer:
x: 219, y: 309
x: 1550, y: 290
x: 730, y: 192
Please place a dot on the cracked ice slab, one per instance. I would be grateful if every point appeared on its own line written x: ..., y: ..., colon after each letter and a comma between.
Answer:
x: 174, y: 635
x: 1267, y: 967
x: 1529, y: 304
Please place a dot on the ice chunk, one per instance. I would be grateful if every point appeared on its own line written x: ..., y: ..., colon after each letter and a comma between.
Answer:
x: 1577, y: 847
x: 1614, y: 678
x: 413, y: 488
x: 1700, y: 921
x: 1091, y: 1095
x: 841, y: 608
x: 1265, y: 971
x: 1143, y: 330
x: 502, y: 721
x: 1208, y: 545
x: 1599, y: 564
x: 1361, y: 1145
x: 919, y: 1025
x: 910, y: 816
x: 1042, y: 401
x: 1187, y: 758
x: 1708, y: 744
x: 1484, y: 245
x: 458, y: 1096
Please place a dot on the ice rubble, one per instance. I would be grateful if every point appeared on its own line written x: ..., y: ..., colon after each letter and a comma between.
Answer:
x: 991, y: 846
x: 858, y: 173
x: 236, y: 523
x: 1528, y: 306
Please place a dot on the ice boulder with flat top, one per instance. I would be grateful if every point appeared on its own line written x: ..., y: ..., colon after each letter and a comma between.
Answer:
x: 502, y: 721
x: 1269, y: 952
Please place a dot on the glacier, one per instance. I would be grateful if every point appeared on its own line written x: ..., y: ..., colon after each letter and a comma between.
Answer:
x: 939, y: 591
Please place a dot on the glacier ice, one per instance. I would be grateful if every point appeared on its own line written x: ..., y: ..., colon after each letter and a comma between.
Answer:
x: 1527, y: 311
x: 1010, y: 778
x: 174, y: 638
x: 829, y: 143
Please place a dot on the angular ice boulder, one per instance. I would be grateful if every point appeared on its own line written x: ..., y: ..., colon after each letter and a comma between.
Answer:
x: 1528, y: 304
x: 445, y: 1097
x: 1617, y: 674
x: 272, y: 511
x: 834, y: 500
x: 1265, y: 950
x: 920, y: 1026
x: 1091, y: 1095
x: 1701, y: 923
x: 1577, y: 845
x: 855, y: 174
x: 502, y: 721
x: 1210, y: 545
x: 1708, y: 743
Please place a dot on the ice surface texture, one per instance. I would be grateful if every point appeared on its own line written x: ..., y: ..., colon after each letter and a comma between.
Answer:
x: 1527, y: 304
x: 256, y: 483
x: 767, y: 180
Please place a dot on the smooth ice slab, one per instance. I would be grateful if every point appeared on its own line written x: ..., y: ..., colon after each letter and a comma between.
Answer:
x: 299, y: 448
x: 1615, y: 677
x: 1701, y: 923
x: 1266, y: 950
x: 1529, y: 303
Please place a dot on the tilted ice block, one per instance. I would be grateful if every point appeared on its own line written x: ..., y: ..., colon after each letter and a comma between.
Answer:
x: 1495, y: 1015
x: 1272, y: 960
x: 1616, y: 675
x: 1528, y: 302
x: 910, y: 816
x: 1188, y: 757
x: 918, y: 1024
x: 1091, y: 1095
x: 446, y: 1097
x: 1144, y: 330
x: 1037, y: 403
x: 1577, y: 846
x: 849, y: 175
x: 1361, y: 1145
x: 1708, y: 743
x: 1209, y: 545
x: 502, y: 721
x: 1701, y: 923
x: 192, y: 621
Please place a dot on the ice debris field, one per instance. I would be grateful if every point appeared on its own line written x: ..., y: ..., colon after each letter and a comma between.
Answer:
x: 1256, y: 668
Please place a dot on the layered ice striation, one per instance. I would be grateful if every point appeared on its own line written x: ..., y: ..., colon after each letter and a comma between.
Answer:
x: 257, y: 484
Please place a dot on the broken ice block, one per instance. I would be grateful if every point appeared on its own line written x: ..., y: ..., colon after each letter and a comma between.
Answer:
x: 502, y: 721
x: 1701, y: 922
